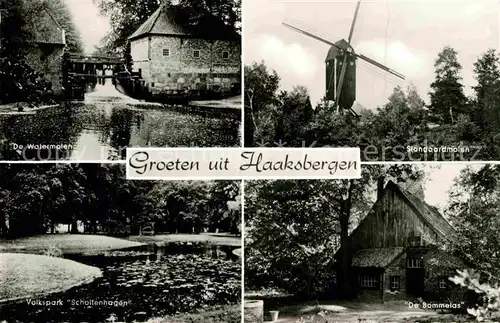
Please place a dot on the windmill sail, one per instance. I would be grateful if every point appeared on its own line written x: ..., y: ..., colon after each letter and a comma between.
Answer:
x: 363, y: 57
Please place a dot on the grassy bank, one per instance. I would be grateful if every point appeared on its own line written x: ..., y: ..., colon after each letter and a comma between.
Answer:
x: 226, y: 314
x: 66, y: 243
x: 30, y: 276
x: 219, y: 239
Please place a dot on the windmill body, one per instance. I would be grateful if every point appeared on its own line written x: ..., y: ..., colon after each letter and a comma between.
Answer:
x: 333, y: 65
x: 341, y: 67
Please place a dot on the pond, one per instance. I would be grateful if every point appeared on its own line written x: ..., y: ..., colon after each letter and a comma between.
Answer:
x: 140, y: 284
x: 103, y: 129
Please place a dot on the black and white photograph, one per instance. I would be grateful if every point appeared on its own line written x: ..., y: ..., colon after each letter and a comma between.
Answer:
x: 402, y: 80
x: 80, y: 243
x: 404, y: 243
x: 85, y: 79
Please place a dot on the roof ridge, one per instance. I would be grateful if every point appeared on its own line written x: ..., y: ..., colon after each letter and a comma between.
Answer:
x: 158, y: 14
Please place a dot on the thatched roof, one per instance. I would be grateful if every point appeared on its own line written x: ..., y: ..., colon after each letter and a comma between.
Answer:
x: 429, y: 214
x: 164, y: 22
x: 376, y: 257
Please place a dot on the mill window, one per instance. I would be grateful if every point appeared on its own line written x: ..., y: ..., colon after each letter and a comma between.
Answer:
x: 166, y: 52
x: 196, y: 54
x: 394, y: 282
x: 225, y: 54
x: 415, y: 263
x: 368, y: 281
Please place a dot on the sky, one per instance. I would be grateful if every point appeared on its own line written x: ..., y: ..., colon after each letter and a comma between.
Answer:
x: 404, y: 35
x: 440, y: 179
x: 91, y: 25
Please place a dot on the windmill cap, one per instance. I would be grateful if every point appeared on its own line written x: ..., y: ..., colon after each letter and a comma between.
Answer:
x: 334, y: 51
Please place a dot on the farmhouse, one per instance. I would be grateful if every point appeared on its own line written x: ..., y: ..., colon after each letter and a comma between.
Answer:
x: 398, y: 249
x: 175, y: 58
x: 45, y: 48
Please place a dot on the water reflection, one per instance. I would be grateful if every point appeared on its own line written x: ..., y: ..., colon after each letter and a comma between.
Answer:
x: 103, y: 130
x: 153, y: 281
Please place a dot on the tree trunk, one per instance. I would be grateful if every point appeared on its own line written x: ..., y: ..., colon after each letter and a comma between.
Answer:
x: 343, y: 279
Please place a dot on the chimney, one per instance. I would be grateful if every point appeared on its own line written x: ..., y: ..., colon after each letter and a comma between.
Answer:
x: 380, y: 187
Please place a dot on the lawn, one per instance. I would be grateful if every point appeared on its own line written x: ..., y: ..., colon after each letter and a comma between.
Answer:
x: 219, y: 239
x: 31, y: 276
x: 66, y: 243
x: 226, y: 314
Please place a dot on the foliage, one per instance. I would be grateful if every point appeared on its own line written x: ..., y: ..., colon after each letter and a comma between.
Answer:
x: 53, y: 251
x: 261, y: 86
x: 126, y: 16
x: 489, y: 310
x: 60, y: 11
x: 451, y: 119
x: 19, y: 81
x: 447, y: 97
x: 39, y: 197
x: 474, y: 209
x: 226, y: 314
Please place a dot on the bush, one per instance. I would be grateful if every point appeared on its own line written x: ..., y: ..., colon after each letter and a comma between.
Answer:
x: 20, y: 83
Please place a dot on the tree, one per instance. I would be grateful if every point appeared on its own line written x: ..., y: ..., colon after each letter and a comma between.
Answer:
x: 329, y: 128
x: 487, y: 91
x: 61, y: 13
x: 126, y: 16
x: 296, y: 113
x: 447, y: 97
x: 474, y: 210
x: 260, y: 91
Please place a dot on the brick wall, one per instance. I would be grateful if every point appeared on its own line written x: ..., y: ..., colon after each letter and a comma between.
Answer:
x: 47, y: 59
x: 181, y: 70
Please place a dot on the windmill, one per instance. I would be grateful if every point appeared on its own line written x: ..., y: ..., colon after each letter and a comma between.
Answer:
x: 341, y: 67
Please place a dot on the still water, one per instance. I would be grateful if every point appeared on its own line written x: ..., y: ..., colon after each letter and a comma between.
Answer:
x: 107, y: 122
x: 140, y: 284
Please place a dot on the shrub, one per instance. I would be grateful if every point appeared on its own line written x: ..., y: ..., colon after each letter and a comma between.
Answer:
x: 53, y: 251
